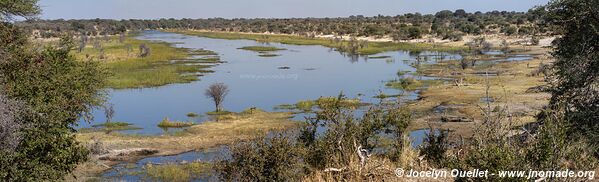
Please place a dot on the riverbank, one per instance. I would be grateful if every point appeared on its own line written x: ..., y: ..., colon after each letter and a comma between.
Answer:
x: 458, y: 104
x: 163, y: 64
x: 366, y: 47
x: 113, y: 148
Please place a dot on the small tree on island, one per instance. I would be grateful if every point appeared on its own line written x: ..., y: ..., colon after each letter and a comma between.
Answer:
x: 217, y: 92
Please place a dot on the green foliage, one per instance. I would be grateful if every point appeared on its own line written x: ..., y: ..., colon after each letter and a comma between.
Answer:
x: 109, y: 127
x: 192, y: 114
x: 442, y: 23
x: 167, y: 123
x: 113, y: 124
x: 408, y: 83
x: 22, y: 8
x: 268, y: 55
x: 274, y: 158
x: 510, y: 30
x: 414, y: 32
x: 308, y: 105
x: 291, y: 156
x: 345, y: 134
x: 435, y: 147
x: 576, y: 69
x: 128, y: 70
x: 12, y: 113
x: 58, y: 90
x: 358, y: 47
x: 397, y: 121
x: 223, y: 112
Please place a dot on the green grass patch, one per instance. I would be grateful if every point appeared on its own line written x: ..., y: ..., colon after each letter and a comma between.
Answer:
x: 378, y: 57
x: 411, y: 84
x: 307, y: 105
x: 202, y: 52
x: 405, y: 84
x: 219, y: 112
x: 192, y: 115
x: 167, y: 123
x: 128, y: 70
x: 268, y: 55
x: 110, y: 126
x: 369, y: 49
x: 177, y: 172
x: 210, y: 59
x: 261, y: 48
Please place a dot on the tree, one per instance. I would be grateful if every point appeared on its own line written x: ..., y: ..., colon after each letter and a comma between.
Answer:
x: 52, y: 92
x: 22, y: 8
x: 575, y: 73
x: 263, y: 159
x: 445, y: 14
x: 460, y: 13
x: 414, y: 32
x: 217, y: 92
x: 11, y: 113
x: 109, y: 112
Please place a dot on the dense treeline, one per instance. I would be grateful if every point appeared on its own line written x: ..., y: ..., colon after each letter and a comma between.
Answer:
x: 444, y: 24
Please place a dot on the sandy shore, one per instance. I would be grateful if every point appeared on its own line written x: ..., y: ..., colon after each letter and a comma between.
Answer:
x: 116, y: 148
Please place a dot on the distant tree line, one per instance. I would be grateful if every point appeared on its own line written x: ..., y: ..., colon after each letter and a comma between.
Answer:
x: 444, y: 24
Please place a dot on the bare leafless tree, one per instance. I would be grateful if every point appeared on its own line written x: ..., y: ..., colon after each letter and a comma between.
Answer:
x: 97, y: 45
x: 109, y: 112
x: 122, y: 38
x: 10, y: 123
x: 129, y: 48
x: 217, y: 92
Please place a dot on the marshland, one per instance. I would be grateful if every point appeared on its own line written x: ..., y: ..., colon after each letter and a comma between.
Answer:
x: 298, y: 99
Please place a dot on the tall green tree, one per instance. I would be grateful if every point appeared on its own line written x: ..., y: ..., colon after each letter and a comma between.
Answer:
x: 575, y: 77
x: 22, y: 8
x: 52, y: 91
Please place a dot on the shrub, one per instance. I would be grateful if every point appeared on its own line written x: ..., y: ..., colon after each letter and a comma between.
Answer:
x: 576, y: 67
x: 192, y: 115
x: 52, y: 82
x: 345, y: 146
x: 276, y: 158
x: 435, y: 146
x: 166, y: 123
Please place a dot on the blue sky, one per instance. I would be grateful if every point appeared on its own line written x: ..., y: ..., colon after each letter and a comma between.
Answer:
x: 154, y: 9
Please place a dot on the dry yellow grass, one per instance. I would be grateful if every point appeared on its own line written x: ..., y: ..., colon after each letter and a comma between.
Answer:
x: 205, y: 135
x: 202, y: 136
x: 508, y: 88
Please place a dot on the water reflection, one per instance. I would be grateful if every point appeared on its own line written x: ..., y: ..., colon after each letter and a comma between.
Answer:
x: 254, y: 81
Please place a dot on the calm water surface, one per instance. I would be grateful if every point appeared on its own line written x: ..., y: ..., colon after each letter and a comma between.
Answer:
x: 255, y: 81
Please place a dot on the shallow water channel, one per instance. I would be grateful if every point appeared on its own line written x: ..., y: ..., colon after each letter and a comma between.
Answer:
x: 255, y: 81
